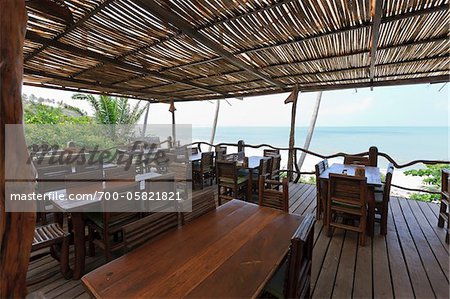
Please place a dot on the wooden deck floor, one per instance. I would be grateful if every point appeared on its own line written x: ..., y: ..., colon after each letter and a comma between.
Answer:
x: 412, y: 261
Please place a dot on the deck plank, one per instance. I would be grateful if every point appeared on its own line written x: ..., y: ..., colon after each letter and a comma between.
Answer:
x: 420, y: 282
x: 344, y: 279
x: 434, y: 271
x: 382, y: 285
x: 362, y: 285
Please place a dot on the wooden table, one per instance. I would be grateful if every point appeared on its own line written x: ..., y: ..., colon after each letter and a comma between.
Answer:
x: 231, y: 252
x: 373, y: 176
x: 77, y: 210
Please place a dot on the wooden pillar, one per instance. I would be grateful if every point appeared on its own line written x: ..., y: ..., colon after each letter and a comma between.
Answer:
x: 292, y: 99
x: 216, y: 117
x: 144, y: 129
x: 16, y: 229
x: 172, y: 110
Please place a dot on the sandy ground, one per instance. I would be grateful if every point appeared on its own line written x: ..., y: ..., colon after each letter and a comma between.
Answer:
x: 398, y: 178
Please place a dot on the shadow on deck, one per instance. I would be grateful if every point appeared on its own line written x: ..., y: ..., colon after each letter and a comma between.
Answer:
x: 412, y: 261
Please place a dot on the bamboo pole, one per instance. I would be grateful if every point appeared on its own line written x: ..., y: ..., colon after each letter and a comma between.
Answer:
x: 312, y: 125
x: 292, y: 99
x: 16, y: 229
x: 216, y: 117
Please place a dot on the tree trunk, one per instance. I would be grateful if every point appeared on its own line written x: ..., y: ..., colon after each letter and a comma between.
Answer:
x: 292, y: 99
x: 312, y: 125
x: 216, y: 117
x: 16, y: 229
x: 144, y: 129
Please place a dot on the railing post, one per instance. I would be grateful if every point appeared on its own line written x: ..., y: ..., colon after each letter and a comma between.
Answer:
x: 373, y: 156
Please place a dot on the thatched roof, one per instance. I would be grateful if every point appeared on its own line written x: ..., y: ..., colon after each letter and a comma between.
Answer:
x: 209, y: 49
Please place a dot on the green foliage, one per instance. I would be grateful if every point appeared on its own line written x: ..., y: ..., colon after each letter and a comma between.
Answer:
x: 113, y: 111
x: 431, y: 179
x: 60, y: 123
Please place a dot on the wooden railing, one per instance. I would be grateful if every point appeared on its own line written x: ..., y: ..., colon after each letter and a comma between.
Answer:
x: 372, y: 153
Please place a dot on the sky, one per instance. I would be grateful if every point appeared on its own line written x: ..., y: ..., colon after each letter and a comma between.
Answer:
x: 411, y: 105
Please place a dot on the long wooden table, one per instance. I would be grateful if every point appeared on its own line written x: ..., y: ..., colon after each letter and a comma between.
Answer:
x: 231, y: 252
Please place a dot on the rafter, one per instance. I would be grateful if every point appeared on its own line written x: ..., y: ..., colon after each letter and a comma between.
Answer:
x: 94, y: 85
x: 100, y: 57
x: 166, y: 16
x: 70, y: 28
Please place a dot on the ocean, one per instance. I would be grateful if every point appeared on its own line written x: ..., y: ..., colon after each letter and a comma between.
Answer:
x: 404, y: 144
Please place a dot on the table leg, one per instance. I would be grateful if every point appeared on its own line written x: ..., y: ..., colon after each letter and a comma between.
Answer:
x: 79, y: 241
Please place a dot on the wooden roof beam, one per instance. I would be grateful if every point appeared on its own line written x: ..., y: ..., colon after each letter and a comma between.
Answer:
x: 93, y: 85
x: 105, y: 59
x: 377, y: 12
x: 171, y: 18
x: 70, y: 28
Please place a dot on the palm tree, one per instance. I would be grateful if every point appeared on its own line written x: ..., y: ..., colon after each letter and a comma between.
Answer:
x: 113, y: 111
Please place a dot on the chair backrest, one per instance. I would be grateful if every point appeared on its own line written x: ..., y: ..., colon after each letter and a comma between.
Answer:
x: 388, y: 182
x: 207, y: 161
x: 193, y: 150
x: 240, y: 155
x: 84, y: 182
x: 298, y: 276
x: 220, y: 152
x: 51, y: 176
x: 264, y: 165
x: 275, y: 165
x: 352, y: 189
x: 277, y: 199
x: 226, y: 170
x: 119, y: 175
x: 118, y: 201
x: 203, y: 202
x: 319, y: 169
x: 271, y: 152
x: 358, y: 160
x: 148, y: 228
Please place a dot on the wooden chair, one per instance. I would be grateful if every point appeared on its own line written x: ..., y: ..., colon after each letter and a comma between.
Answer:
x: 269, y: 197
x: 109, y: 225
x: 358, y: 160
x: 229, y: 184
x: 293, y: 277
x: 147, y: 229
x: 48, y: 236
x: 321, y: 189
x: 264, y: 170
x: 182, y: 175
x: 382, y: 202
x: 444, y: 209
x: 50, y: 178
x: 271, y: 152
x: 204, y: 170
x: 203, y: 202
x: 347, y: 198
x: 160, y: 186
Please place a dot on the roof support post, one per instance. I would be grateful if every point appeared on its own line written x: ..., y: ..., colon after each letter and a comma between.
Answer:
x: 16, y: 229
x: 172, y: 110
x: 216, y: 117
x: 292, y: 99
x: 144, y: 129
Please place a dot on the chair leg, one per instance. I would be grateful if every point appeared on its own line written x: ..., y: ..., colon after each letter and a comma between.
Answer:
x: 64, y: 259
x: 384, y: 219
